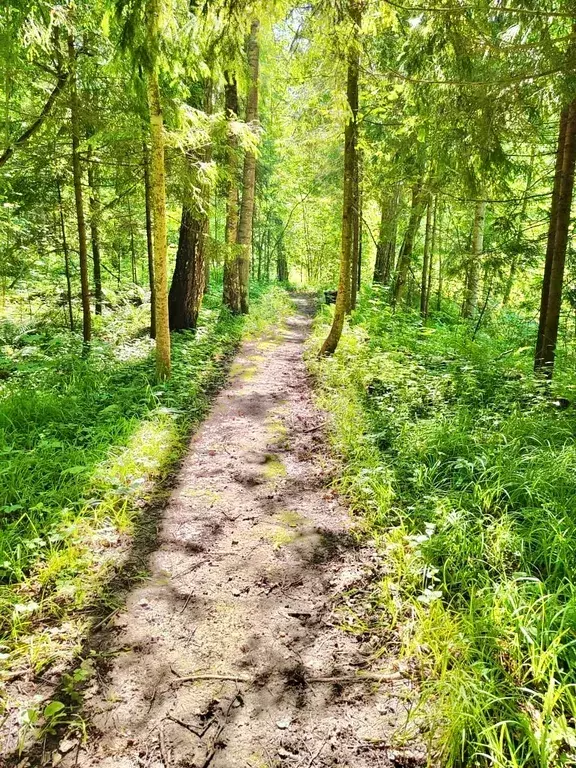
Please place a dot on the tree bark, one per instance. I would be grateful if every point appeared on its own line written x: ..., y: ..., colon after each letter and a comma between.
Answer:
x: 190, y: 273
x: 426, y: 257
x: 66, y: 257
x: 355, y: 234
x: 231, y: 289
x: 245, y: 223
x: 472, y: 288
x: 407, y: 247
x: 350, y: 141
x: 550, y: 244
x: 546, y: 353
x: 94, y: 203
x: 149, y: 240
x: 387, y: 233
x: 158, y: 203
x: 432, y: 251
x: 78, y: 196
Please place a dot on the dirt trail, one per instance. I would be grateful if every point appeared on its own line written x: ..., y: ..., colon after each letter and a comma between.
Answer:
x: 251, y: 551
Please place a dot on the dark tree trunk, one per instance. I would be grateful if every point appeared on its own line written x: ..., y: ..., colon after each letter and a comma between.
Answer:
x: 78, y: 196
x: 187, y: 286
x: 190, y: 274
x: 407, y: 247
x: 546, y: 352
x: 552, y: 227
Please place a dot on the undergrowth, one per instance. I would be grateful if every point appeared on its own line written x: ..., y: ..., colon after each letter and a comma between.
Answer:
x: 464, y: 472
x: 85, y: 442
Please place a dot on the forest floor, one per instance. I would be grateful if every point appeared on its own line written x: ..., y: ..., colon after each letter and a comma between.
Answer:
x: 249, y: 562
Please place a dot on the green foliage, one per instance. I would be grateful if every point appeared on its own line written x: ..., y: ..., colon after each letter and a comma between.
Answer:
x: 465, y: 473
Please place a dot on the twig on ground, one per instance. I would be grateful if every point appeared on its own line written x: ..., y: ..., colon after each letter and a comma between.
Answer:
x: 163, y: 750
x: 316, y: 755
x: 368, y: 677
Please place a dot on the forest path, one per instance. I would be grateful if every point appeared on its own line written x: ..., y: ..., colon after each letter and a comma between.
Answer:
x: 251, y: 550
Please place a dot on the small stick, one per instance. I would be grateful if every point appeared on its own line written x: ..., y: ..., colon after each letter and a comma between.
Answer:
x: 163, y: 751
x: 360, y: 678
x: 194, y: 678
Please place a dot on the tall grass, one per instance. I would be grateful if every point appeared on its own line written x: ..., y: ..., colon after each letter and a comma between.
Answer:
x: 465, y: 474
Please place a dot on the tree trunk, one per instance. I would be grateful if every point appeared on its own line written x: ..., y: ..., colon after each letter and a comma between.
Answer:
x: 187, y: 286
x: 94, y: 203
x: 355, y: 235
x: 407, y: 247
x: 66, y: 257
x: 149, y: 241
x: 350, y: 140
x: 77, y: 174
x: 158, y: 205
x: 249, y: 177
x: 472, y: 288
x: 387, y: 233
x: 189, y: 278
x: 552, y: 227
x: 431, y: 264
x: 231, y: 291
x: 560, y: 221
x: 426, y: 258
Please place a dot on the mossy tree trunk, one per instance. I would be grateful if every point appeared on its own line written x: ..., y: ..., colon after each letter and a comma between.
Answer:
x: 350, y: 162
x: 158, y: 202
x: 231, y: 288
x: 245, y: 224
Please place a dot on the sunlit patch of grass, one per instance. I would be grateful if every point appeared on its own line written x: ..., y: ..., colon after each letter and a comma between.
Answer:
x: 273, y: 468
x: 465, y: 476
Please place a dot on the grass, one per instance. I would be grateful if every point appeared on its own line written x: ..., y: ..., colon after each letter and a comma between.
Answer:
x: 465, y: 474
x: 85, y: 443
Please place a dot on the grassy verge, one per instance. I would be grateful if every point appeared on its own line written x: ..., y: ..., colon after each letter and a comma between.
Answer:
x: 465, y: 475
x: 85, y: 445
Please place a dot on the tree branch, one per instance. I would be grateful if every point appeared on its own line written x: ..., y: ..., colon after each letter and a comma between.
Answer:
x: 37, y: 124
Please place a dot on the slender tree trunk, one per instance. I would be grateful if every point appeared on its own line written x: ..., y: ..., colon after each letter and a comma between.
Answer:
x: 387, y: 233
x: 94, y: 203
x: 440, y: 265
x: 432, y: 252
x: 231, y: 292
x: 158, y: 204
x: 66, y: 257
x: 77, y: 173
x: 426, y: 257
x: 360, y: 225
x: 350, y: 141
x: 546, y: 353
x: 355, y: 235
x: 551, y: 241
x: 471, y: 297
x: 149, y: 240
x: 245, y: 223
x: 407, y: 247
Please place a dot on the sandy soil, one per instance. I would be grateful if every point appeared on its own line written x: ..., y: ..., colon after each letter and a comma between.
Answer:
x: 252, y: 550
